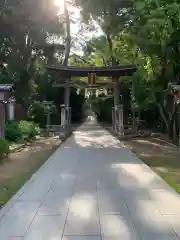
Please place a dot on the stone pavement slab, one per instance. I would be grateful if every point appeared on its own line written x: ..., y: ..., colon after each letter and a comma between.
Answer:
x: 174, y: 221
x: 92, y: 188
x: 82, y: 238
x: 46, y: 228
x: 77, y: 225
x: 17, y: 220
x: 118, y: 226
x: 58, y: 198
x: 16, y: 238
x: 112, y: 202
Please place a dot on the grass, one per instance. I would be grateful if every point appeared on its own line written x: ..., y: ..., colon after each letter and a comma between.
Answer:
x: 20, y: 166
x: 161, y: 156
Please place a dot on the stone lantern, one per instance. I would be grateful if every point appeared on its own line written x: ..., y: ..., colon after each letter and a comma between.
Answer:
x: 48, y: 106
x: 65, y: 118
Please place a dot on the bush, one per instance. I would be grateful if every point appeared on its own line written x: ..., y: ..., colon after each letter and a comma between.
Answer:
x: 4, y: 148
x: 106, y: 110
x: 29, y: 129
x: 12, y: 131
x: 77, y: 104
x: 36, y: 114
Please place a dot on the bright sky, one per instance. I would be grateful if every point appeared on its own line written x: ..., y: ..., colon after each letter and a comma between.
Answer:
x: 76, y: 26
x: 59, y: 3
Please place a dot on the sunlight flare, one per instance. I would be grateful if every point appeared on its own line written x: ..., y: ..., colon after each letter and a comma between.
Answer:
x: 59, y: 3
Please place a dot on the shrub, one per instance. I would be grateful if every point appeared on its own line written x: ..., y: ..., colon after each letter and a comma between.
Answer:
x: 77, y: 104
x: 29, y: 129
x: 106, y: 110
x: 12, y: 131
x: 36, y: 114
x: 4, y: 148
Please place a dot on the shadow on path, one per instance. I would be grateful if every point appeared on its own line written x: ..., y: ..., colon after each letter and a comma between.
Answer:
x: 93, y: 188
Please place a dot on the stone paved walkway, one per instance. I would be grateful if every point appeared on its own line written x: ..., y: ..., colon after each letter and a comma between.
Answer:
x: 92, y: 188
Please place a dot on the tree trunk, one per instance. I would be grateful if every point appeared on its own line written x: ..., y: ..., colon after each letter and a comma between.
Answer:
x: 165, y: 120
x: 68, y: 35
x: 172, y: 127
x: 138, y: 119
x: 110, y: 43
x: 164, y: 66
x: 133, y: 120
x: 133, y: 100
x: 174, y: 137
x: 179, y: 126
x: 169, y: 122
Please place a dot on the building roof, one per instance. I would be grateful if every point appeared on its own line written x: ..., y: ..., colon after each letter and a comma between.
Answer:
x: 116, y: 71
x: 6, y: 87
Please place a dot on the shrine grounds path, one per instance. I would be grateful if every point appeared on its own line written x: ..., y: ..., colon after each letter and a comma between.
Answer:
x: 92, y: 188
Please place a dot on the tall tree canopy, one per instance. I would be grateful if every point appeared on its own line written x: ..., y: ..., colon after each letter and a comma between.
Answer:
x: 147, y: 34
x: 25, y: 27
x: 120, y: 32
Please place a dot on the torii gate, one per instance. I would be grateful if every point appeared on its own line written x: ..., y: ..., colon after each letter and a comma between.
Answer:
x: 114, y: 72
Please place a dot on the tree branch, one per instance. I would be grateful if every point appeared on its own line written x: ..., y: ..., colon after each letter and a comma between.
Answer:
x: 82, y: 59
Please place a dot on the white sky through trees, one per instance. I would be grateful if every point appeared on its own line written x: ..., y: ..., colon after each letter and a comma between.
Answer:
x: 80, y: 32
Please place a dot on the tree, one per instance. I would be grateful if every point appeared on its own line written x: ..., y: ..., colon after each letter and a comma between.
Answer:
x: 147, y: 34
x: 155, y: 29
x: 110, y: 17
x: 25, y: 28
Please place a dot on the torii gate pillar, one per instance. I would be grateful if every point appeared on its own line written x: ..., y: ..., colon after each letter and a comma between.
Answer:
x: 117, y: 111
x: 66, y: 111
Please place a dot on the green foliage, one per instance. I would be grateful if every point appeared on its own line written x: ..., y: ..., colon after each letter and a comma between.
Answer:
x: 145, y: 33
x: 29, y: 129
x: 12, y: 131
x: 102, y: 107
x: 106, y: 110
x: 94, y: 102
x: 77, y: 103
x: 25, y: 36
x: 4, y: 148
x: 36, y: 114
x: 24, y: 129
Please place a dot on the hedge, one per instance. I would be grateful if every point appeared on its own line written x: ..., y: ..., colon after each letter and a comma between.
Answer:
x: 12, y: 131
x: 29, y: 129
x: 22, y: 130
